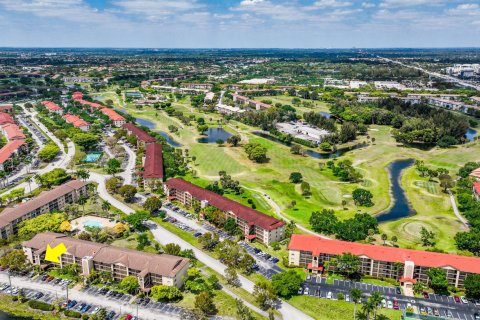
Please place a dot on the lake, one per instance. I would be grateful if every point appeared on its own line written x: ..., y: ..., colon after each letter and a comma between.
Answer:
x: 169, y: 139
x: 7, y: 316
x: 471, y: 134
x: 326, y: 114
x: 312, y: 153
x: 146, y: 123
x: 400, y: 207
x: 213, y: 134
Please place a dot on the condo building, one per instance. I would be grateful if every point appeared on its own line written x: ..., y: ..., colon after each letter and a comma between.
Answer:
x: 405, y: 265
x: 153, y: 167
x: 254, y: 224
x: 47, y: 201
x: 150, y: 269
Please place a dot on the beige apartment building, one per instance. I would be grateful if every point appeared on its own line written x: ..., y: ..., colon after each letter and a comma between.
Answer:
x: 47, y: 201
x: 254, y: 224
x: 404, y: 265
x: 150, y: 269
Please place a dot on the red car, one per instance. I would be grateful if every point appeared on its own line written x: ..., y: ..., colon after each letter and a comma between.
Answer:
x: 457, y: 299
x: 425, y: 295
x: 129, y: 317
x: 395, y: 305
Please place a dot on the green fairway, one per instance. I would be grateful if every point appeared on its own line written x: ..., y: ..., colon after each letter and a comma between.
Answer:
x: 272, y: 178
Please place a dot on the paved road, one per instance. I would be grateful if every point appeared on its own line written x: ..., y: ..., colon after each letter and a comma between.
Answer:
x: 127, y: 174
x: 436, y: 74
x: 456, y: 211
x: 163, y: 236
x: 74, y: 294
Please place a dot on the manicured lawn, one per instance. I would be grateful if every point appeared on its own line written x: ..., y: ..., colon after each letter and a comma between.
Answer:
x: 324, y: 309
x: 22, y: 310
x: 432, y: 206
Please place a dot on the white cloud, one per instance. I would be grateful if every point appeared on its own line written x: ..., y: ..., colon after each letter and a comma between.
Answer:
x: 368, y: 5
x: 331, y: 4
x: 409, y: 3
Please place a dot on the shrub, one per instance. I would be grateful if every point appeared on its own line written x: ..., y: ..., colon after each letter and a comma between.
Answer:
x: 72, y: 314
x: 40, y: 305
x: 340, y: 296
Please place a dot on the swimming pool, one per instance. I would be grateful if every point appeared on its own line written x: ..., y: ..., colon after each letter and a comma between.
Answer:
x: 92, y: 157
x: 93, y: 224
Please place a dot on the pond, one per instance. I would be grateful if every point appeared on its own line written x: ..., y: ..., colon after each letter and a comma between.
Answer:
x: 169, y: 139
x: 327, y: 115
x: 7, y: 316
x: 400, y: 207
x: 99, y: 98
x: 146, y: 123
x: 471, y: 134
x: 312, y: 153
x: 213, y: 134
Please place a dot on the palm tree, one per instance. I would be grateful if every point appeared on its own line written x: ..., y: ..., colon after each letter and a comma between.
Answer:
x: 356, y: 296
x: 394, y: 239
x: 29, y: 181
x: 82, y: 200
x: 384, y: 238
x: 39, y: 179
x: 106, y: 205
x: 376, y: 298
x: 367, y: 308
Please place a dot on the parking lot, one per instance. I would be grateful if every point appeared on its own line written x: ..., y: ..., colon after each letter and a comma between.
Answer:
x: 442, y: 306
x: 265, y: 264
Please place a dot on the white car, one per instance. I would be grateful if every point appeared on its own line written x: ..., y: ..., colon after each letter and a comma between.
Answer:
x: 95, y: 311
x: 347, y: 298
x: 305, y: 292
x: 464, y: 300
x: 389, y: 304
x: 309, y: 277
x: 384, y: 303
x: 329, y: 295
x: 300, y: 290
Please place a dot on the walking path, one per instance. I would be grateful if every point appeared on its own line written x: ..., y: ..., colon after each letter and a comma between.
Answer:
x: 278, y: 211
x: 455, y: 209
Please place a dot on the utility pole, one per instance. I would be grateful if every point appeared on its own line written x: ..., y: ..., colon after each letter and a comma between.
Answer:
x: 10, y: 282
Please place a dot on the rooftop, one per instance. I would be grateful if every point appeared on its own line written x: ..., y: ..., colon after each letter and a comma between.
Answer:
x: 52, y: 106
x: 253, y: 217
x: 5, y: 154
x: 153, y: 166
x: 112, y: 114
x: 162, y: 264
x: 10, y: 214
x: 5, y: 118
x: 76, y: 121
x: 317, y: 245
x: 138, y: 133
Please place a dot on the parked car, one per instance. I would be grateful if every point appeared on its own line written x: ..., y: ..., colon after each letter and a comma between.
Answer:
x: 389, y: 304
x: 384, y: 303
x: 329, y: 295
x: 476, y: 316
x: 300, y: 290
x: 456, y: 299
x: 305, y: 292
x: 128, y: 317
x: 426, y: 295
x: 398, y: 290
x: 464, y: 300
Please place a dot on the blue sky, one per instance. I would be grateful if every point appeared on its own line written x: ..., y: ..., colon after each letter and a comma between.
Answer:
x: 240, y: 23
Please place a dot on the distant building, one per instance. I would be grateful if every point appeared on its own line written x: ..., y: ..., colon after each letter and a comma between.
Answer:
x: 258, y: 81
x: 7, y: 108
x: 476, y: 190
x: 153, y: 167
x: 142, y: 137
x: 117, y: 119
x: 12, y: 132
x: 388, y: 85
x: 303, y: 131
x: 224, y: 109
x: 134, y: 94
x: 449, y: 104
x: 149, y: 268
x: 209, y: 97
x: 404, y: 265
x: 254, y: 224
x: 5, y: 118
x: 77, y: 122
x: 9, y: 151
x: 202, y: 86
x: 258, y: 105
x: 52, y: 107
x: 46, y: 202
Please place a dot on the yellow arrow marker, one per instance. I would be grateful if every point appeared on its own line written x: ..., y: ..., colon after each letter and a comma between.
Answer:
x: 53, y: 254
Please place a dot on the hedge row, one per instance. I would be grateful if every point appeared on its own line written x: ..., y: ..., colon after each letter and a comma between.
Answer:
x: 72, y: 314
x: 40, y: 305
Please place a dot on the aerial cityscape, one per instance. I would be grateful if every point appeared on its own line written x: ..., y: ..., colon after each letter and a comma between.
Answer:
x: 239, y: 159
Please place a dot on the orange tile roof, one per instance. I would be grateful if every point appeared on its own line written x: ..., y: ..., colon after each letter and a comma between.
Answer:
x: 475, y: 173
x: 7, y: 150
x: 52, y: 106
x: 5, y: 118
x: 153, y: 167
x: 112, y: 114
x: 476, y: 186
x: 76, y: 121
x: 317, y: 245
x: 13, y: 132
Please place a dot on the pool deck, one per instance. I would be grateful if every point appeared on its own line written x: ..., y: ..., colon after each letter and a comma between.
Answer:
x: 77, y: 224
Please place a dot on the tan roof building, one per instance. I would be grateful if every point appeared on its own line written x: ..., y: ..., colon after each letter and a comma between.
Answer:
x: 47, y: 201
x: 150, y: 269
